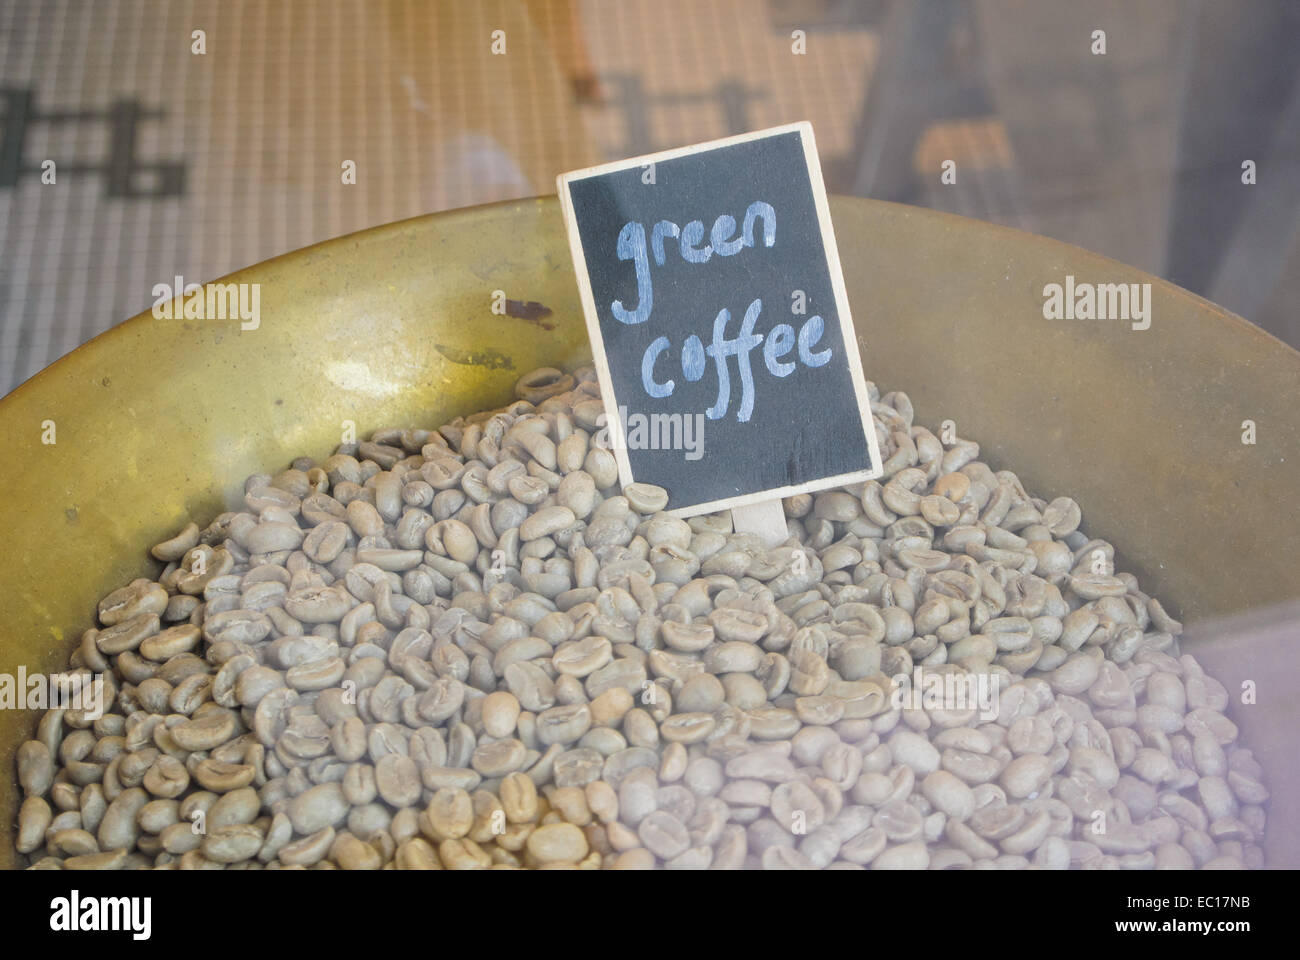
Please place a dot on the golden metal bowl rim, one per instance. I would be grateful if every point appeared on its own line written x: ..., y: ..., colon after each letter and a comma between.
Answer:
x: 938, y: 216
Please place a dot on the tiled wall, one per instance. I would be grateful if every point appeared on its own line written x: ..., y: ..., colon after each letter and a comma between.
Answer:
x: 172, y: 163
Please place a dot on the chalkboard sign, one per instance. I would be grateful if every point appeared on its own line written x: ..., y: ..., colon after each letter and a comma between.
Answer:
x: 719, y: 322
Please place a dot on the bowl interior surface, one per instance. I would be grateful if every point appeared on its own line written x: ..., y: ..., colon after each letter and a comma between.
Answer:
x: 159, y: 421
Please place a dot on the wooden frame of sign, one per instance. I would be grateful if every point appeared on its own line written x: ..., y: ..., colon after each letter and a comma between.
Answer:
x: 759, y: 511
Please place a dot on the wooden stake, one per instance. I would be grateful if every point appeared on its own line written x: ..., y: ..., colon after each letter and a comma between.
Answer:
x: 765, y: 518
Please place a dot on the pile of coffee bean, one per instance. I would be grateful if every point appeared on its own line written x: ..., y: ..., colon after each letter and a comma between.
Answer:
x: 469, y: 648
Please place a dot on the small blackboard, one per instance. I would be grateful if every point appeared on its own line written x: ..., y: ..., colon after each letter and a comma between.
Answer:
x: 719, y: 323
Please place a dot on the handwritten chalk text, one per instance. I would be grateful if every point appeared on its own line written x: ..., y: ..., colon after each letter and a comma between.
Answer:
x: 722, y: 241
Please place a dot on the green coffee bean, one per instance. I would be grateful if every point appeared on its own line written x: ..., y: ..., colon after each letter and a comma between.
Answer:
x: 480, y: 609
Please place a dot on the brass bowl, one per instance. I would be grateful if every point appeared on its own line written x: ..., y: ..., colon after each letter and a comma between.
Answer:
x: 158, y: 421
